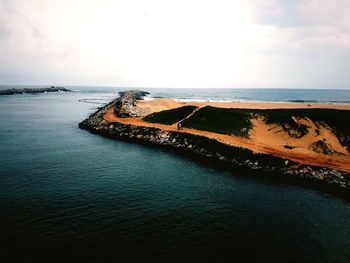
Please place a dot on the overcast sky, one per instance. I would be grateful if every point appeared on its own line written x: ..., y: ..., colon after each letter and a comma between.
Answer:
x: 176, y: 43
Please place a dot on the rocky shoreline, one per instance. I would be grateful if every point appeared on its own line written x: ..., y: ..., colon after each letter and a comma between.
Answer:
x: 31, y: 90
x: 213, y: 150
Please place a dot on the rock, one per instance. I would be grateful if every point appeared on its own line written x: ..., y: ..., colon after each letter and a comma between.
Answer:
x: 32, y: 90
x: 335, y: 173
x: 204, y: 147
x: 320, y: 176
x: 321, y: 147
x: 125, y: 105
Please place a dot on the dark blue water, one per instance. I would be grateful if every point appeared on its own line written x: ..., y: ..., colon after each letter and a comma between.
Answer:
x: 66, y: 192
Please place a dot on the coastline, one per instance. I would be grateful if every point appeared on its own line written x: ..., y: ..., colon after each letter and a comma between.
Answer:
x: 251, y: 104
x: 254, y: 95
x: 160, y: 104
x: 273, y: 105
x: 211, y: 149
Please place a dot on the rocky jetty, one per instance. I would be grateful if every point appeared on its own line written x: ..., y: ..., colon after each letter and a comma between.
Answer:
x: 125, y: 105
x: 31, y: 90
x: 212, y: 150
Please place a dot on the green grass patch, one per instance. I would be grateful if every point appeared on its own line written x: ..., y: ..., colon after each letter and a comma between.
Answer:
x: 220, y: 120
x: 283, y: 117
x: 238, y: 121
x: 170, y: 116
x: 337, y: 120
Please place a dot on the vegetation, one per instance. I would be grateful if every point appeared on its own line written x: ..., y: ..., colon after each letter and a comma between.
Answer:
x: 170, y: 116
x: 337, y: 120
x: 237, y: 153
x: 220, y: 120
x: 237, y: 121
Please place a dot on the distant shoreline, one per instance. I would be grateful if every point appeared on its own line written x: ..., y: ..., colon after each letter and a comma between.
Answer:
x: 293, y: 103
x: 14, y: 91
x: 253, y: 104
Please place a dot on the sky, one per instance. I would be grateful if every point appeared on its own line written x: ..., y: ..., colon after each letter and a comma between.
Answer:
x: 176, y: 43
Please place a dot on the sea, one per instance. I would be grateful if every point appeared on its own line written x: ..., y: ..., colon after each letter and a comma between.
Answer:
x: 71, y: 195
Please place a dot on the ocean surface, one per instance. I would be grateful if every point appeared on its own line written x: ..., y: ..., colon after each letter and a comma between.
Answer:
x: 339, y: 96
x: 67, y: 193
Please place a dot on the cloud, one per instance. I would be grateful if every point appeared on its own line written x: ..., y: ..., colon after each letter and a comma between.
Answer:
x: 25, y: 49
x: 304, y: 43
x: 207, y: 43
x: 279, y: 13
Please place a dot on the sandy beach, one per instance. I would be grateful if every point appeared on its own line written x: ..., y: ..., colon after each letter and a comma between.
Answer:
x: 263, y: 138
x: 165, y: 104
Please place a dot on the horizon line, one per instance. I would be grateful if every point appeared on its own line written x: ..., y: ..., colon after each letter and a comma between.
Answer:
x: 171, y: 87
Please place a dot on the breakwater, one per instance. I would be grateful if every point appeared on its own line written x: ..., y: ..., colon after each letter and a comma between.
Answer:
x: 32, y: 90
x: 213, y: 150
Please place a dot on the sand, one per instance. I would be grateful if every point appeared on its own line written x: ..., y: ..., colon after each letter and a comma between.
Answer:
x: 157, y: 105
x: 263, y: 138
x: 165, y: 104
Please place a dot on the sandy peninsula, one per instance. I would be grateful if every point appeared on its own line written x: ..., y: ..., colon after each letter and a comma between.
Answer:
x: 263, y: 138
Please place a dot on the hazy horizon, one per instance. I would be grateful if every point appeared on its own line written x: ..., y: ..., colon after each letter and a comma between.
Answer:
x: 184, y: 44
x: 151, y: 88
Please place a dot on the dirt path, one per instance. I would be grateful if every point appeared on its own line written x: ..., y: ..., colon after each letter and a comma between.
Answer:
x: 189, y: 116
x: 300, y: 155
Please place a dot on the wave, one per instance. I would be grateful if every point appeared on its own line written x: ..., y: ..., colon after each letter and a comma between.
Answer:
x: 201, y: 100
x: 305, y: 101
x: 318, y: 101
x: 250, y: 100
x: 340, y: 101
x: 93, y: 101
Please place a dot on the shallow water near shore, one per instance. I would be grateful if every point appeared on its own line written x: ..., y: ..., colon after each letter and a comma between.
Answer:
x: 65, y: 191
